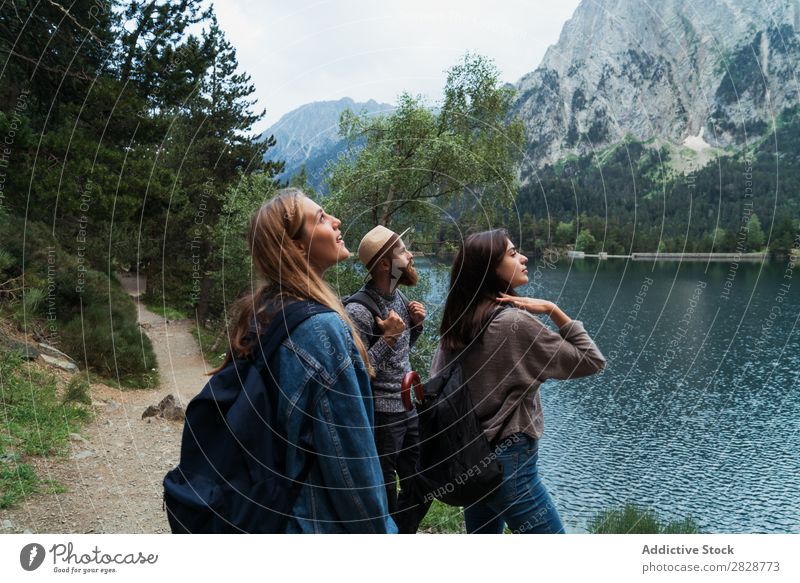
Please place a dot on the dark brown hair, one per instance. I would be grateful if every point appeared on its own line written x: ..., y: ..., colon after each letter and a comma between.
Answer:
x: 474, y: 286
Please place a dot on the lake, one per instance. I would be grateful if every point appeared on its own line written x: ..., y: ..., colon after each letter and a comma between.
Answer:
x: 698, y: 411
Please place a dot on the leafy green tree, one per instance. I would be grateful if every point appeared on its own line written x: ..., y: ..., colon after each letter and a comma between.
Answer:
x: 406, y: 167
x: 300, y: 180
x: 564, y: 233
x: 784, y: 237
x: 215, y: 152
x: 585, y: 242
x: 755, y: 234
x: 229, y: 238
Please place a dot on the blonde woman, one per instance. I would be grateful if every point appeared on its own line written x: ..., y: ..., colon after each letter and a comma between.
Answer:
x: 324, y: 410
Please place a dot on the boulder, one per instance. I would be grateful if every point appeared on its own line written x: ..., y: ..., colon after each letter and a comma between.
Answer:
x: 166, y: 409
x: 21, y: 349
x: 59, y: 363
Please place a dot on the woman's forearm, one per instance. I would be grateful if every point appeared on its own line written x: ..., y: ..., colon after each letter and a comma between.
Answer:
x: 558, y: 317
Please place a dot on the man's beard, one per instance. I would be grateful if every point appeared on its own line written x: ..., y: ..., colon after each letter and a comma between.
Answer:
x: 409, y: 276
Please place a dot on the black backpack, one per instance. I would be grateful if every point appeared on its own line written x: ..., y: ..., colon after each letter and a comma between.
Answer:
x: 231, y: 472
x: 363, y: 298
x: 457, y: 465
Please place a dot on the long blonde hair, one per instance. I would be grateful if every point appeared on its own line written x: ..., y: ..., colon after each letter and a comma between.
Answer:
x: 273, y: 228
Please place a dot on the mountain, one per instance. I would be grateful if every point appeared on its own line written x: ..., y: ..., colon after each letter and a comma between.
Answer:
x: 699, y: 77
x: 309, y: 136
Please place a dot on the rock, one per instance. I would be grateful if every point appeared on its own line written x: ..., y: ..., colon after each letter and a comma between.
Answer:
x: 167, y: 409
x: 621, y: 69
x: 21, y: 349
x: 54, y: 352
x: 82, y: 455
x: 76, y: 437
x: 7, y: 525
x: 59, y: 363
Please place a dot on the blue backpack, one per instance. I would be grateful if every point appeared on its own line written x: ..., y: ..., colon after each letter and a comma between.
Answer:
x: 231, y: 475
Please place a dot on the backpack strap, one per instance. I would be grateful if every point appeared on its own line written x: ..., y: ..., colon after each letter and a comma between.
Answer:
x: 284, y: 322
x: 363, y: 298
x: 366, y: 300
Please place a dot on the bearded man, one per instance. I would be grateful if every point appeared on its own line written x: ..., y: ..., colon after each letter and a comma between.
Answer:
x: 389, y: 326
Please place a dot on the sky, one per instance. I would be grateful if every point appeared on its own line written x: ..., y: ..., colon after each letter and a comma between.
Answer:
x: 304, y: 51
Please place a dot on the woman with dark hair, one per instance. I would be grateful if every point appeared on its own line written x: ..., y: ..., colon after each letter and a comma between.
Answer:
x: 504, y: 368
x: 324, y: 407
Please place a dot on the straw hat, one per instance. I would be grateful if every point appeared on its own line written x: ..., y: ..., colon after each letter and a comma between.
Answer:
x: 376, y: 244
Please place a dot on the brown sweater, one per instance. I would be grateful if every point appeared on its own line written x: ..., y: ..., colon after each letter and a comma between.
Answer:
x: 517, y: 354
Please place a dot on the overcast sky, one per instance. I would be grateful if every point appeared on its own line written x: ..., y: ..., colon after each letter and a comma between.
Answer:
x: 303, y: 51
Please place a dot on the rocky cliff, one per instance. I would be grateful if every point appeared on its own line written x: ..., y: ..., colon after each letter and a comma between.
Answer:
x: 702, y: 74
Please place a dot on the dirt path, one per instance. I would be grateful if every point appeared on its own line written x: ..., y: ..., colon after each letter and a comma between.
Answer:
x: 114, y: 470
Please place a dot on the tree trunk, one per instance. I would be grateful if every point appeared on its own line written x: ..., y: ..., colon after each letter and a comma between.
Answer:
x: 387, y: 213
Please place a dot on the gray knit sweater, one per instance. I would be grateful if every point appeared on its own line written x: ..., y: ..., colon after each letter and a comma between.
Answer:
x: 391, y: 363
x: 517, y: 354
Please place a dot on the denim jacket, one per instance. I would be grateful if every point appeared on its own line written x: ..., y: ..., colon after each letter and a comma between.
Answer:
x: 325, y: 405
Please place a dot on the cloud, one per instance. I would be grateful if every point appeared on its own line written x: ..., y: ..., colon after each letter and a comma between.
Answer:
x: 320, y: 50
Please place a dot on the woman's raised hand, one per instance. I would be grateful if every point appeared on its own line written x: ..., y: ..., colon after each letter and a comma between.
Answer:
x: 532, y: 305
x: 536, y: 306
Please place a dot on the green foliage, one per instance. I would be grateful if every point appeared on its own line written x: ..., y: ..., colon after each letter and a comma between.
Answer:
x: 34, y: 418
x: 631, y: 194
x: 565, y: 231
x: 77, y: 391
x: 35, y: 422
x: 82, y: 311
x: 346, y: 277
x: 585, y: 242
x: 17, y: 481
x: 402, y: 169
x: 235, y: 274
x: 147, y: 135
x: 783, y: 237
x: 212, y: 341
x: 166, y: 312
x: 634, y: 520
x: 755, y: 234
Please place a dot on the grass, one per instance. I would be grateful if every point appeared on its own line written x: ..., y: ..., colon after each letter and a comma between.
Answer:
x: 205, y: 340
x: 443, y: 519
x: 632, y: 519
x: 167, y: 312
x: 17, y: 482
x: 36, y: 421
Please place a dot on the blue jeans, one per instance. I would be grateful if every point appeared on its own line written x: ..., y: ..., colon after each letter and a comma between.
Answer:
x: 522, y: 501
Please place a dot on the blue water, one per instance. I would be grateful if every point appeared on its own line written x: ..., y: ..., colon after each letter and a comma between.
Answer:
x: 698, y: 411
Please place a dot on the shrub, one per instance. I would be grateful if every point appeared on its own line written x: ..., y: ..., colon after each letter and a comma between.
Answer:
x: 89, y: 316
